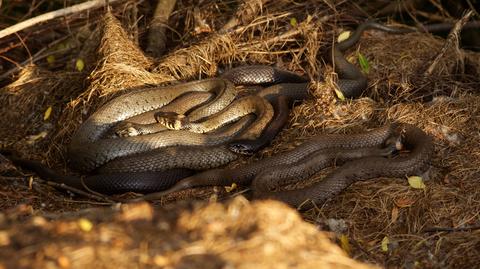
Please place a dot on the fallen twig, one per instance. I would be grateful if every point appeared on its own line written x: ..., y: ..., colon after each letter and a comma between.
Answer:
x: 246, y: 12
x: 452, y: 41
x: 36, y: 57
x: 52, y: 15
x: 93, y: 196
x: 156, y: 33
x: 449, y: 229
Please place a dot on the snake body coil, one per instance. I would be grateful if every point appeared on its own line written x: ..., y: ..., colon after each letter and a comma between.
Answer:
x: 147, y: 147
x: 366, y: 160
x: 88, y: 150
x: 245, y: 174
x: 420, y: 148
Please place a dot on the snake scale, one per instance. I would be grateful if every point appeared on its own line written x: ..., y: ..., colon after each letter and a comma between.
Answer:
x: 146, y: 157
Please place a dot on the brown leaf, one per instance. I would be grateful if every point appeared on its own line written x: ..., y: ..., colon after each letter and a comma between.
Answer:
x: 395, y: 212
x: 404, y: 202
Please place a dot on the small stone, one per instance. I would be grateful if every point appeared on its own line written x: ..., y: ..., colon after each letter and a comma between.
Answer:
x: 338, y: 226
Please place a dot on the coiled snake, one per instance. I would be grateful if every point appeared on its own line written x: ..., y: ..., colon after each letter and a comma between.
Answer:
x: 148, y: 160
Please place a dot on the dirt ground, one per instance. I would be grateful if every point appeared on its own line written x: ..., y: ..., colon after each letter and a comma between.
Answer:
x: 413, y: 78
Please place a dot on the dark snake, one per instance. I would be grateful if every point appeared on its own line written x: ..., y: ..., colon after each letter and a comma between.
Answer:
x: 366, y: 154
x: 133, y: 161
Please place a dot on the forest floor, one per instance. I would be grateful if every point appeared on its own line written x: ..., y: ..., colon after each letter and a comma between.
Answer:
x: 80, y: 61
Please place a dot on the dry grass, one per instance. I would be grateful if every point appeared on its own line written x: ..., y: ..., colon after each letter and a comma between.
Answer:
x: 236, y: 235
x: 398, y: 92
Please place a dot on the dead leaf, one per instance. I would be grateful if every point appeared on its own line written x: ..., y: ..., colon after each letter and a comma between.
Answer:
x: 394, y: 214
x: 343, y: 36
x: 231, y: 187
x: 64, y: 261
x: 85, y: 224
x: 4, y: 238
x: 416, y: 182
x: 404, y: 202
x: 384, y: 244
x: 339, y: 94
x: 47, y: 113
x: 33, y: 138
x: 345, y: 244
x: 137, y: 211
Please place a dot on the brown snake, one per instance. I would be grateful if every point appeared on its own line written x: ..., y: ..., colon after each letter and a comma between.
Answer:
x: 366, y: 153
x: 91, y: 148
x: 415, y: 162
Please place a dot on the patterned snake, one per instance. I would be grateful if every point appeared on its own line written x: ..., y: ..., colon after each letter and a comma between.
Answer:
x: 147, y: 160
x: 364, y: 154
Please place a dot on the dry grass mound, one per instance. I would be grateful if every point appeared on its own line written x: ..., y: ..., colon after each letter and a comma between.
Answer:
x: 235, y: 235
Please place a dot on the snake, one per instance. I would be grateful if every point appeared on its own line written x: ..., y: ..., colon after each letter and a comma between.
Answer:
x: 243, y: 106
x: 351, y: 80
x: 145, y: 123
x: 365, y: 156
x: 88, y: 150
x: 419, y: 145
x: 245, y: 174
x: 91, y: 148
x: 128, y: 164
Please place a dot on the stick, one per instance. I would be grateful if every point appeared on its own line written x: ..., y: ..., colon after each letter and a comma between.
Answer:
x: 93, y: 196
x: 246, y: 12
x: 36, y: 57
x: 156, y: 33
x: 399, y: 7
x: 449, y: 229
x: 52, y: 15
x: 452, y: 40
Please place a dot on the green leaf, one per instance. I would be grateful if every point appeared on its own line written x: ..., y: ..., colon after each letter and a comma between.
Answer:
x: 50, y: 59
x: 61, y: 46
x: 385, y: 242
x: 80, y: 64
x: 416, y: 182
x: 293, y: 22
x: 364, y: 64
x: 339, y: 94
x: 343, y: 36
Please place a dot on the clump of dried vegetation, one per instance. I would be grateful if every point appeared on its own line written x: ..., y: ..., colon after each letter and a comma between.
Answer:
x: 293, y: 36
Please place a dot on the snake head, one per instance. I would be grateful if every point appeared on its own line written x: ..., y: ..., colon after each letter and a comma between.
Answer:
x: 171, y: 120
x: 242, y: 147
x: 126, y: 129
x: 394, y: 144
